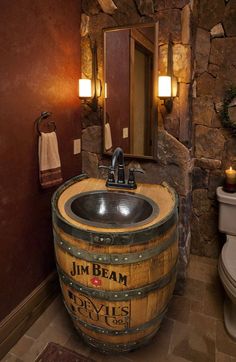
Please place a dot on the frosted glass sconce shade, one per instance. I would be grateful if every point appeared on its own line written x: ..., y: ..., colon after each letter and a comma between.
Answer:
x: 85, y: 88
x: 164, y: 86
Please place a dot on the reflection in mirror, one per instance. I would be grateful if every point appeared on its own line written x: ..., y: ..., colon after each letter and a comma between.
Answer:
x: 130, y: 74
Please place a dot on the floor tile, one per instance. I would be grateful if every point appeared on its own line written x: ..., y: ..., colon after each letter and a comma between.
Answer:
x: 213, y: 300
x: 202, y: 269
x: 222, y: 357
x: 11, y: 358
x: 195, y: 341
x: 45, y: 319
x: 22, y: 346
x: 179, y: 309
x: 158, y: 346
x: 224, y: 342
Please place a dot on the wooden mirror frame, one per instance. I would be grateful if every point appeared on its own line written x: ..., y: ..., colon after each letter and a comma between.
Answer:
x: 154, y: 111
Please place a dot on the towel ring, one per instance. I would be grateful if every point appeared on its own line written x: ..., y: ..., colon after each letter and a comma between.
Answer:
x: 43, y: 116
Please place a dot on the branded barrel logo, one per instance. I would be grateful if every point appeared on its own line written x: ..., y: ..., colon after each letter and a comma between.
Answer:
x: 96, y: 270
x: 114, y: 315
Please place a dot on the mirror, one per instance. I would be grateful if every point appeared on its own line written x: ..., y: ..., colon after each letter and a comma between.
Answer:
x: 130, y: 83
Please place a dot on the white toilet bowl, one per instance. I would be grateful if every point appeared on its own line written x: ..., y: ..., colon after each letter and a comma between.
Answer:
x: 227, y: 272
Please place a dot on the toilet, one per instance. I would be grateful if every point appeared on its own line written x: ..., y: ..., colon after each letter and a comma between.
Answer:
x: 227, y: 260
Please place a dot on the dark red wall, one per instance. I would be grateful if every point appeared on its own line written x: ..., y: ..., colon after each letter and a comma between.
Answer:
x: 40, y: 66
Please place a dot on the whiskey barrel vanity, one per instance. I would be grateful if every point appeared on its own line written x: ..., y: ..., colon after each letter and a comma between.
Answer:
x: 116, y: 280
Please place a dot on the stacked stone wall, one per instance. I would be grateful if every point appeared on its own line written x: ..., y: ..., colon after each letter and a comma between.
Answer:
x: 214, y: 146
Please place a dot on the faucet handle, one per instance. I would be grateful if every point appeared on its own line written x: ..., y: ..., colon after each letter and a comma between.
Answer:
x: 131, y: 179
x: 111, y: 173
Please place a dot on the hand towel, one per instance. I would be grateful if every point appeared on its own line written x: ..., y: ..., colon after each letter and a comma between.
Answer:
x: 49, y: 160
x: 107, y: 136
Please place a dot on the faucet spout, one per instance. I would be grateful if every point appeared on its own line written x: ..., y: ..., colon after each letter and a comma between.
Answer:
x: 118, y: 155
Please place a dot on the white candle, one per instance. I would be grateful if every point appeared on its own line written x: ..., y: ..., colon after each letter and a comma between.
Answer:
x: 230, y: 176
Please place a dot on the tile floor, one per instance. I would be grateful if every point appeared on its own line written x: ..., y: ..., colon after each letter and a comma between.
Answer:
x: 192, y: 330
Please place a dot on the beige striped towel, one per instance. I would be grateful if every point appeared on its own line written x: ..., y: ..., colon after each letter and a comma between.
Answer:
x: 49, y: 160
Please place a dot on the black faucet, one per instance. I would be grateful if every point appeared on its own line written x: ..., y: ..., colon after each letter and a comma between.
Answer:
x: 118, y: 157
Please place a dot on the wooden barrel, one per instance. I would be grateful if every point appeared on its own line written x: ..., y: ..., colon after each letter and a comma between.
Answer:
x: 116, y: 283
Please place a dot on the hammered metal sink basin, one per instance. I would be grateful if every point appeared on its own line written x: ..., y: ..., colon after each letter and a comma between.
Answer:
x: 109, y: 209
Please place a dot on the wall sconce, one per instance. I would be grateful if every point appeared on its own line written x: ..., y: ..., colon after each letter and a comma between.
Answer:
x: 167, y: 84
x: 91, y: 88
x: 85, y: 88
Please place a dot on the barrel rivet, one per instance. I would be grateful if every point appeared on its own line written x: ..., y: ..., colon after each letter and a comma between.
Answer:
x: 101, y: 239
x: 116, y: 332
x: 80, y: 289
x: 116, y: 259
x: 137, y: 329
x: 125, y: 258
x: 61, y: 242
x: 126, y: 295
x: 79, y: 253
x: 70, y: 283
x: 115, y: 295
x: 139, y: 293
x: 69, y: 247
x: 103, y: 331
x: 140, y: 256
x: 100, y: 259
x: 126, y: 332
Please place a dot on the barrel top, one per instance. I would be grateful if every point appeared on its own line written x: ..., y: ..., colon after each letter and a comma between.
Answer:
x: 163, y: 195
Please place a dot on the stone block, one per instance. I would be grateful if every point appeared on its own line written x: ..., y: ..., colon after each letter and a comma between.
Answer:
x: 209, y: 142
x: 213, y: 69
x: 203, y: 110
x: 205, y: 85
x: 217, y: 51
x: 145, y: 7
x: 223, y: 54
x: 176, y: 4
x: 229, y: 19
x: 208, y: 224
x: 186, y: 24
x: 90, y: 7
x: 175, y: 160
x: 205, y: 237
x: 159, y: 5
x: 126, y: 13
x: 90, y: 164
x: 171, y: 125
x: 169, y: 23
x: 92, y: 139
x: 195, y: 235
x: 217, y: 31
x: 108, y: 6
x: 84, y: 26
x: 211, y: 12
x: 184, y: 114
x: 216, y: 178
x: 207, y: 163
x: 182, y: 62
x: 184, y: 218
x: 199, y: 178
x: 231, y: 148
x: 201, y: 203
x: 202, y: 50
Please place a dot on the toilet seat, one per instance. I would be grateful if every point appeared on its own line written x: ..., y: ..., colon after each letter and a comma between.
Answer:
x: 228, y: 259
